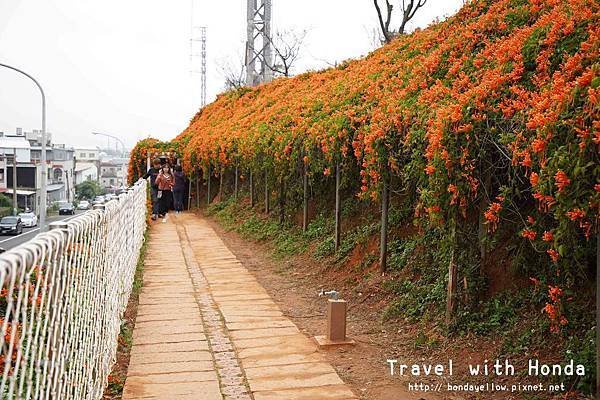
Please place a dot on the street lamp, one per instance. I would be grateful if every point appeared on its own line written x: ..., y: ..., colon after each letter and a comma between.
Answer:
x: 43, y: 156
x: 114, y: 137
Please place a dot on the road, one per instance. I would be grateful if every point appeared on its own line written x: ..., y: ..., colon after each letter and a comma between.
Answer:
x: 8, y: 242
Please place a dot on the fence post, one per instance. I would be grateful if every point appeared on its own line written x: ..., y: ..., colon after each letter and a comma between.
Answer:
x: 221, y: 171
x: 208, y: 194
x: 385, y: 198
x: 251, y: 189
x: 305, y: 200
x: 235, y: 185
x: 189, y: 200
x: 338, y: 206
x: 267, y: 197
x: 452, y: 272
x: 282, y: 201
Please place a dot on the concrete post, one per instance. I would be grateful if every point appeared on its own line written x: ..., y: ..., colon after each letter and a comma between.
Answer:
x: 336, y: 320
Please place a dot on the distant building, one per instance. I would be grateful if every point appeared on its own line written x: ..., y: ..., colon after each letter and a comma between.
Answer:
x: 85, y: 172
x: 87, y: 155
x: 113, y: 173
x: 60, y: 165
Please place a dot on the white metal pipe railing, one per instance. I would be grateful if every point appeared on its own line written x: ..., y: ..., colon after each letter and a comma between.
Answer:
x: 62, y: 297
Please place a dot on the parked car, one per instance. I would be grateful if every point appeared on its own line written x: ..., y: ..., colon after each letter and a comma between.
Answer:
x: 83, y: 205
x: 99, y: 200
x: 11, y: 225
x: 66, y: 209
x: 29, y: 219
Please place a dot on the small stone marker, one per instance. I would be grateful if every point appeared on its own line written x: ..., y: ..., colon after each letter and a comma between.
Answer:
x: 336, y: 325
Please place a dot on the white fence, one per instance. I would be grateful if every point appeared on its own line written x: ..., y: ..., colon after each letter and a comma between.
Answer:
x: 62, y: 296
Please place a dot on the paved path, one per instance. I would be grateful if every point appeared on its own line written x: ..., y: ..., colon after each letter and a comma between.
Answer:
x: 206, y: 329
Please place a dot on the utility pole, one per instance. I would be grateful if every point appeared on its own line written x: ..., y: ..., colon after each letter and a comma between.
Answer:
x: 258, y: 43
x: 14, y: 172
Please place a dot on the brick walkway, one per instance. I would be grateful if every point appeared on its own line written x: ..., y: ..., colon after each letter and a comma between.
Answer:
x: 206, y: 329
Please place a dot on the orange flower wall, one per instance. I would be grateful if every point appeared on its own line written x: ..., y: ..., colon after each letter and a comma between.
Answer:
x: 498, y: 105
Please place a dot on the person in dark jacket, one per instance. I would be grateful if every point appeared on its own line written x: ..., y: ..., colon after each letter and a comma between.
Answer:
x: 152, y: 174
x: 178, y: 188
x: 165, y: 182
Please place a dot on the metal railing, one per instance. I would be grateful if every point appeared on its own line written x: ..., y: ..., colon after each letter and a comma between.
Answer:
x: 62, y: 297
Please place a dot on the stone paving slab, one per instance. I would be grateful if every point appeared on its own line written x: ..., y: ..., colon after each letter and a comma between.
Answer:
x: 335, y: 392
x: 147, y: 389
x: 153, y: 358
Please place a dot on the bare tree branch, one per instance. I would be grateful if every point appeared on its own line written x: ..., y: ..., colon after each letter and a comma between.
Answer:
x: 408, y: 12
x: 286, y: 46
x: 409, y: 9
x: 385, y: 26
x: 234, y: 73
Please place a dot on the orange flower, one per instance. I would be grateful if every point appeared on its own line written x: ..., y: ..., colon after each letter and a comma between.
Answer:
x: 529, y: 234
x: 538, y: 145
x: 430, y: 170
x: 555, y: 293
x: 534, y: 179
x: 561, y: 180
x: 492, y: 215
x: 553, y: 255
x: 548, y: 236
x: 575, y: 214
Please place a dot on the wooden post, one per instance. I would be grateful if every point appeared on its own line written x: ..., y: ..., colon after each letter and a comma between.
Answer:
x: 189, y: 202
x: 282, y: 201
x: 305, y: 200
x: 235, y: 184
x: 385, y: 200
x: 482, y: 228
x: 198, y: 188
x: 338, y: 206
x: 221, y: 184
x: 452, y: 272
x: 267, y: 196
x: 251, y: 189
x: 208, y: 194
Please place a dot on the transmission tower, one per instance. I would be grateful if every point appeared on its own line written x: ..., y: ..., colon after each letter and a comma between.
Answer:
x: 202, y: 55
x: 202, y: 39
x: 258, y: 44
x: 203, y: 68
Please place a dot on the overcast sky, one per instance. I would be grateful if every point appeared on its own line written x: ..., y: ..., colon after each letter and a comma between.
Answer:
x: 123, y: 66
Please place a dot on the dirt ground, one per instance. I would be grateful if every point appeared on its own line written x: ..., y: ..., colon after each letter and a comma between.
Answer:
x: 295, y: 283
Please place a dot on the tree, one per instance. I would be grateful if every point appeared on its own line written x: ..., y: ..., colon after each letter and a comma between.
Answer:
x: 409, y: 9
x: 234, y: 74
x: 88, y: 190
x: 286, y: 47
